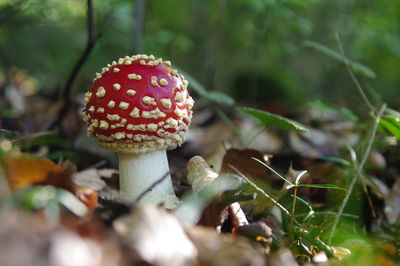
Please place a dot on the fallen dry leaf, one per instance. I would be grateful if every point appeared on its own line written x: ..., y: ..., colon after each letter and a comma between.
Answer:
x: 156, y: 237
x: 243, y: 161
x: 224, y: 249
x: 24, y: 239
x: 68, y: 248
x: 24, y: 170
x: 89, y: 178
x: 200, y: 173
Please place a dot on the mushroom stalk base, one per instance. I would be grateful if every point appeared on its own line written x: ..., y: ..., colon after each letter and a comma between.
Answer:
x: 138, y: 172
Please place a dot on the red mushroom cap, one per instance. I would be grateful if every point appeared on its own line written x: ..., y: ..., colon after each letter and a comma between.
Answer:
x: 137, y: 105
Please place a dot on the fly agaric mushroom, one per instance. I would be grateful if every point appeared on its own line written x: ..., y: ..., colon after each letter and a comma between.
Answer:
x: 139, y: 107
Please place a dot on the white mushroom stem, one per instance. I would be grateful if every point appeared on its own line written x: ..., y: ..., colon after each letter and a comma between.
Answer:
x: 138, y: 172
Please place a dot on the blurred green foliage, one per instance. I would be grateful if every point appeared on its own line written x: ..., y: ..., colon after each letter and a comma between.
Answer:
x: 251, y: 49
x: 269, y: 119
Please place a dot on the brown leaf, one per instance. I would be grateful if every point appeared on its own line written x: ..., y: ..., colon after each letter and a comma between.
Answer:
x: 223, y: 249
x: 244, y: 162
x: 25, y: 170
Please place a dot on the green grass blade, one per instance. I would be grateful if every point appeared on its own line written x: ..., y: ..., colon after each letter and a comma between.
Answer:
x: 325, y: 186
x: 275, y: 172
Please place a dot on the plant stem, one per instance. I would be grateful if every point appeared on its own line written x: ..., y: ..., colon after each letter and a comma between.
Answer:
x: 357, y: 173
x: 292, y: 218
x: 353, y: 77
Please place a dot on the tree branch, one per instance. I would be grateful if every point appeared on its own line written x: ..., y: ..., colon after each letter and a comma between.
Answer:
x: 66, y: 93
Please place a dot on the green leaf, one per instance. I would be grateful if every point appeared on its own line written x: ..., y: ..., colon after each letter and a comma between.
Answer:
x: 357, y: 67
x: 57, y: 155
x: 342, y: 111
x: 391, y: 122
x: 336, y: 160
x: 47, y: 198
x: 391, y: 125
x: 269, y: 119
x: 392, y: 112
x: 212, y: 96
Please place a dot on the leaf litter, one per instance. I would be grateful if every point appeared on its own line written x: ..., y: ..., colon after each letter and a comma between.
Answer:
x: 69, y: 212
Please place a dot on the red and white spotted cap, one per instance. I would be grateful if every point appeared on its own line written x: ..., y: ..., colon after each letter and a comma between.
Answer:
x: 137, y: 105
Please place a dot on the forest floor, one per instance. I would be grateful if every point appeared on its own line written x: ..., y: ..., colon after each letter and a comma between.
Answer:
x: 257, y: 194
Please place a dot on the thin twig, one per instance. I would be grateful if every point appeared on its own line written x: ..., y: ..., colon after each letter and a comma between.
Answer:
x: 66, y: 93
x: 353, y: 77
x: 357, y: 173
x: 329, y: 213
x: 150, y: 188
x: 273, y: 171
